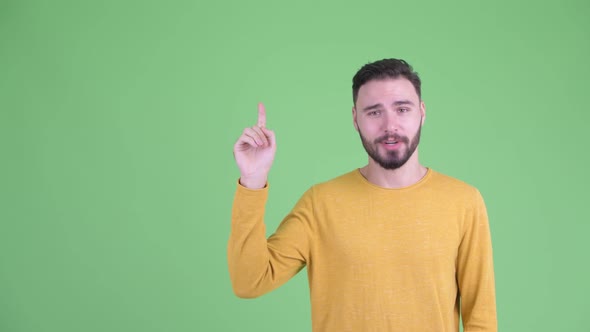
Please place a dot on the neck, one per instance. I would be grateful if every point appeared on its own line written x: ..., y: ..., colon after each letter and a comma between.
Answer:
x: 408, y: 174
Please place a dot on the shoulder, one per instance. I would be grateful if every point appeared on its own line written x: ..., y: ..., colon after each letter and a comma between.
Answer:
x: 327, y: 191
x: 450, y: 181
x: 341, y: 182
x: 454, y: 187
x: 344, y: 183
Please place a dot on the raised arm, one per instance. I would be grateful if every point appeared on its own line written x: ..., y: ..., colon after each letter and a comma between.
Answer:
x: 256, y: 264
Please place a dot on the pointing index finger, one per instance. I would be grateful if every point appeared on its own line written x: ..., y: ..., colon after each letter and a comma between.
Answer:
x: 261, y: 115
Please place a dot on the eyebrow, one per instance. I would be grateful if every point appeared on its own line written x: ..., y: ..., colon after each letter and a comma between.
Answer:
x: 403, y: 102
x: 396, y: 103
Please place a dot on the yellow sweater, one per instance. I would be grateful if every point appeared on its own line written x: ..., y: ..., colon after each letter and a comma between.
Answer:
x: 377, y: 259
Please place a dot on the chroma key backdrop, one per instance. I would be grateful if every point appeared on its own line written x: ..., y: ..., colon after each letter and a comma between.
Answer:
x: 118, y: 119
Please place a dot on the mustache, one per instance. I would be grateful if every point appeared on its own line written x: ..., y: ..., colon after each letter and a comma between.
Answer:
x: 395, y: 137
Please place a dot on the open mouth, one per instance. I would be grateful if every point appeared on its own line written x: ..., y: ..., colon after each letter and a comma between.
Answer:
x: 391, y: 143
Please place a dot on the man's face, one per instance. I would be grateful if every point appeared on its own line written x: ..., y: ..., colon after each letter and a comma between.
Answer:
x: 388, y: 116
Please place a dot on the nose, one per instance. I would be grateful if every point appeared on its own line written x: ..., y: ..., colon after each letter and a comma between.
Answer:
x: 390, y: 121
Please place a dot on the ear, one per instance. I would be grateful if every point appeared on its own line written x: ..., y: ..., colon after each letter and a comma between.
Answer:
x: 423, y: 111
x: 356, y: 126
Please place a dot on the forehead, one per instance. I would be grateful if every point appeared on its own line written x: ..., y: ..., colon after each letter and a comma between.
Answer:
x: 387, y: 90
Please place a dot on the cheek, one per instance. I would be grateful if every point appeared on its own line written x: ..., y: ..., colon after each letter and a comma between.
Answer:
x: 369, y: 124
x: 366, y: 129
x: 412, y: 124
x: 416, y: 128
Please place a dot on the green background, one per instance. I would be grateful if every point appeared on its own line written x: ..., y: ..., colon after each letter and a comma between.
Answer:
x: 118, y: 120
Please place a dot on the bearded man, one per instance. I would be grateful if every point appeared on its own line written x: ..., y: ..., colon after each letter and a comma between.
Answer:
x: 390, y: 246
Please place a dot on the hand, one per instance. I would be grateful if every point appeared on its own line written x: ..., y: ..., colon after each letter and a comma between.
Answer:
x: 254, y: 152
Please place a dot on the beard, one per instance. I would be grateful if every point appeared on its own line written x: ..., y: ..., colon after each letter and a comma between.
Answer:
x: 392, y: 159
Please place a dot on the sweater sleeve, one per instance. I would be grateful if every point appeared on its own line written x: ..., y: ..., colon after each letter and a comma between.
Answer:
x: 258, y: 265
x: 475, y: 271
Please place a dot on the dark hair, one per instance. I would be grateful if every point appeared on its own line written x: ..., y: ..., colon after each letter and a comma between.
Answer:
x: 386, y: 68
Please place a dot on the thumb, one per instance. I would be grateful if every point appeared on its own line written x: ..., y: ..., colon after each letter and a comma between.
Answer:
x: 270, y: 135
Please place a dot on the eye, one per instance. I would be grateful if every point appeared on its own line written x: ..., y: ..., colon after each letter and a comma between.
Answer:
x: 373, y: 113
x: 403, y: 110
